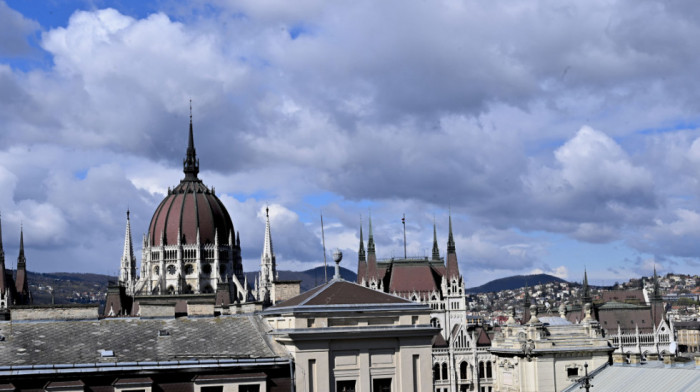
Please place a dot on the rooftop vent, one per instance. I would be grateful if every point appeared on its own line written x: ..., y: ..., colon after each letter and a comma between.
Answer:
x: 163, y: 332
x: 106, y: 353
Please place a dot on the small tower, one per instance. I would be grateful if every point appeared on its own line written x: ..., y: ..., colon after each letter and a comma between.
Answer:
x: 21, y: 285
x: 268, y: 266
x: 127, y: 272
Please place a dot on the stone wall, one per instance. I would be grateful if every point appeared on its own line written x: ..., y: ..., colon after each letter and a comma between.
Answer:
x: 282, y: 291
x: 54, y: 312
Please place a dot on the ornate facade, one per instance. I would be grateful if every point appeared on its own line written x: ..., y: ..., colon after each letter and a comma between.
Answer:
x: 191, y: 249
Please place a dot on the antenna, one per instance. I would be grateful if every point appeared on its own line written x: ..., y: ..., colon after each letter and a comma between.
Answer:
x: 323, y: 238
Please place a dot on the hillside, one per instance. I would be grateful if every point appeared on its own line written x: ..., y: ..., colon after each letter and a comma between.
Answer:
x: 69, y: 287
x: 514, y: 282
x: 309, y: 278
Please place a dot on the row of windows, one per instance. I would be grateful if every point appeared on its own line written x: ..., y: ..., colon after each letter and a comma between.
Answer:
x: 189, y: 269
x: 440, y: 371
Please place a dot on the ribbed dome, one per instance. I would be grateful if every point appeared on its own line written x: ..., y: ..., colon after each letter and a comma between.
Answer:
x: 188, y: 207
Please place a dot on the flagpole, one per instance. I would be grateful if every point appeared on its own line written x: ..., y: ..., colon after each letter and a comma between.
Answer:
x: 403, y: 220
x: 323, y: 238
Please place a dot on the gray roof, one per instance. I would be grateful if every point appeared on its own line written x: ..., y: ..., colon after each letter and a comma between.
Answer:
x: 651, y: 376
x: 83, y: 342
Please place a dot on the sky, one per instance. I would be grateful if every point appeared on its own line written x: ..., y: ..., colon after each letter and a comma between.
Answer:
x: 558, y: 135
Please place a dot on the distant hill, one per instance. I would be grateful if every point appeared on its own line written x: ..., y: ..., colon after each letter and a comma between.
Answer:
x: 309, y: 278
x: 71, y: 287
x: 514, y: 282
x: 68, y: 287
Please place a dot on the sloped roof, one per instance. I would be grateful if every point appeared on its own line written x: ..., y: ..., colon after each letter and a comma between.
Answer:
x: 651, y: 376
x: 407, y: 278
x: 75, y: 342
x: 340, y: 292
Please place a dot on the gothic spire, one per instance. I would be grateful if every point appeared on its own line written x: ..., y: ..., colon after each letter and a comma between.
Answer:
x: 21, y: 284
x: 127, y: 273
x: 267, y: 248
x: 657, y: 290
x: 191, y: 163
x: 370, y: 240
x: 436, y: 250
x: 21, y: 259
x: 361, y: 253
x: 586, y: 291
x: 450, y: 239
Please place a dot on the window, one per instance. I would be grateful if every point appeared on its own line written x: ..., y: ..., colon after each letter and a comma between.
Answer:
x: 189, y: 269
x: 381, y: 385
x: 416, y: 373
x: 217, y: 388
x: 312, y: 375
x: 463, y: 371
x: 488, y: 370
x: 444, y: 371
x: 171, y: 270
x: 436, y: 372
x: 481, y: 370
x: 572, y: 372
x: 345, y: 386
x: 206, y: 269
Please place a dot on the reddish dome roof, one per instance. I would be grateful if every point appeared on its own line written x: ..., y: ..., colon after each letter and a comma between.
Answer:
x: 190, y: 206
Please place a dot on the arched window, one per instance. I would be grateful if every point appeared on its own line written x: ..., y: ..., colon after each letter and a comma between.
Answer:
x: 481, y: 370
x: 171, y: 290
x: 435, y: 322
x: 436, y: 371
x: 444, y: 371
x: 463, y: 370
x: 488, y: 370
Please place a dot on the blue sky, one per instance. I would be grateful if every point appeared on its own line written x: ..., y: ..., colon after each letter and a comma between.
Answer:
x: 557, y: 135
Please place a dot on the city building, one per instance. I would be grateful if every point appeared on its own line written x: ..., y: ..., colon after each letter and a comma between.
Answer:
x: 346, y: 337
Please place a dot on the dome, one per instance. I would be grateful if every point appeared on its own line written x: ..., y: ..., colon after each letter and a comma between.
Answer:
x: 189, y: 207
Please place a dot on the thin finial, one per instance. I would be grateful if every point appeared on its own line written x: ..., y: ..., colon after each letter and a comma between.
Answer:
x: 190, y: 110
x: 267, y: 211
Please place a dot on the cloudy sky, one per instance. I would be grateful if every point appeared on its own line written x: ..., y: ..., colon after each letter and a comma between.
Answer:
x: 557, y: 134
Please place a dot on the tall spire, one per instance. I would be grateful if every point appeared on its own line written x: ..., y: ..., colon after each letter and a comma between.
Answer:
x: 452, y: 264
x: 21, y: 259
x: 371, y: 256
x: 191, y: 163
x: 127, y: 273
x: 361, y: 253
x: 586, y: 291
x: 370, y: 240
x: 361, y: 258
x: 21, y: 285
x: 450, y: 239
x: 436, y: 250
x: 268, y: 268
x: 657, y: 289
